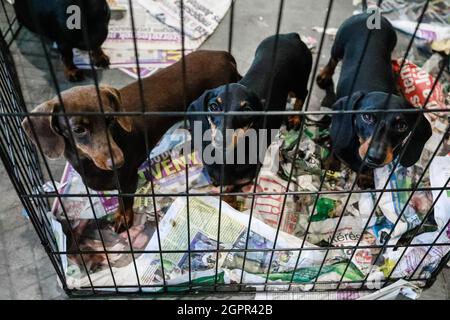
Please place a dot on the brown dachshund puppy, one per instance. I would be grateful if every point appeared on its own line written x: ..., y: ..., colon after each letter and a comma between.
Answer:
x: 162, y: 91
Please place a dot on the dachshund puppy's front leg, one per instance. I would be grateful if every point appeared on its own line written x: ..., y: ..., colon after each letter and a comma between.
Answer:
x: 295, y: 121
x: 325, y: 78
x: 123, y: 220
x: 71, y: 72
x: 331, y: 163
x: 124, y: 217
x: 101, y: 60
x: 366, y: 180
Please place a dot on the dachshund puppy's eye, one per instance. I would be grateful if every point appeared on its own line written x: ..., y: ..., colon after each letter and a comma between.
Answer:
x: 401, y: 126
x: 79, y: 131
x: 369, y: 118
x: 213, y: 106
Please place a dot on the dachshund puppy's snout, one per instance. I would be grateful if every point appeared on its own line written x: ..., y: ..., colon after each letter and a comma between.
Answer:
x: 379, y: 152
x: 376, y: 147
x: 117, y: 160
x: 375, y: 157
x: 374, y: 153
x: 101, y: 155
x: 118, y: 163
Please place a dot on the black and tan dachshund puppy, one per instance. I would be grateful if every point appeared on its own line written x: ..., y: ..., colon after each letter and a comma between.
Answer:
x: 281, y: 68
x: 355, y: 137
x: 52, y: 19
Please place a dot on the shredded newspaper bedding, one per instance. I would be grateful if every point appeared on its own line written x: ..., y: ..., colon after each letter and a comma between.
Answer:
x: 210, y: 268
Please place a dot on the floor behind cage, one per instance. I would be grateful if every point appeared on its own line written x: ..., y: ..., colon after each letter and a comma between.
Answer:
x: 29, y: 172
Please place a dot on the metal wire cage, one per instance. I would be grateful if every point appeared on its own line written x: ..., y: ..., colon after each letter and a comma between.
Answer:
x: 29, y: 169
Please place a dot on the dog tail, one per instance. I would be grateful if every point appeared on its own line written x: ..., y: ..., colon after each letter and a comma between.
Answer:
x: 233, y: 62
x: 364, y: 5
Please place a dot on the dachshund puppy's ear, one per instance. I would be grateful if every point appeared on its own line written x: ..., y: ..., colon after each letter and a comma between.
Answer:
x: 418, y: 139
x: 45, y: 128
x: 342, y: 128
x: 201, y: 104
x: 199, y: 123
x: 198, y: 104
x: 115, y: 99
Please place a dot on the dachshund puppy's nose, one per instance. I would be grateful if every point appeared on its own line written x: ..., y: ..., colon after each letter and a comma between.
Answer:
x: 375, y: 158
x: 118, y: 162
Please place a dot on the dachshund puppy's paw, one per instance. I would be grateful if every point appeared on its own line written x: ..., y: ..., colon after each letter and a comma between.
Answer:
x: 329, y: 99
x: 294, y: 122
x: 101, y: 60
x: 331, y: 163
x: 366, y: 180
x: 74, y: 74
x: 232, y: 201
x: 324, y: 79
x: 123, y: 220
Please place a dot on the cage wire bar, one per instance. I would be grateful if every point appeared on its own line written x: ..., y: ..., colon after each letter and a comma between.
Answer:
x: 12, y: 26
x: 27, y: 166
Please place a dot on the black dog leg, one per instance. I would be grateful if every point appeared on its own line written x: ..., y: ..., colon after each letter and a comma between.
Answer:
x: 101, y: 60
x: 325, y: 78
x: 295, y: 121
x: 71, y: 72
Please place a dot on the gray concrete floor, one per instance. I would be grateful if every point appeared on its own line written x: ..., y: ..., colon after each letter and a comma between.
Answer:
x: 25, y: 270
